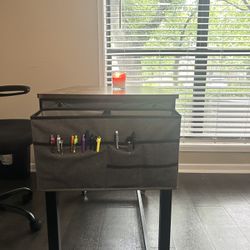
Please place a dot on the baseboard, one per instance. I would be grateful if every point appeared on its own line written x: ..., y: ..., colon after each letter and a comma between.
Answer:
x: 204, y: 168
x: 214, y: 168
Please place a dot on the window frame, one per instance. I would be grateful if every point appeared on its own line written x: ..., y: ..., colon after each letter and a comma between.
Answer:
x: 199, y: 76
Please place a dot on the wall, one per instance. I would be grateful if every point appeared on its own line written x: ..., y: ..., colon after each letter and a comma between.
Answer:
x: 46, y: 44
x: 50, y: 44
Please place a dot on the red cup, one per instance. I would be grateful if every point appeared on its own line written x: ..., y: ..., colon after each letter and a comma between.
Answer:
x: 119, y: 80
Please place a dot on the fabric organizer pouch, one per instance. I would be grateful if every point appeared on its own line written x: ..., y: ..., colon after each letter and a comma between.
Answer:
x: 150, y: 163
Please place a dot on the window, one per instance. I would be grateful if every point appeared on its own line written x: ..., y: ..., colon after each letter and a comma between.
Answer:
x: 199, y: 49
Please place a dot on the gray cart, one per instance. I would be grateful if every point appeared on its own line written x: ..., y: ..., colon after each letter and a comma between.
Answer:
x: 146, y: 156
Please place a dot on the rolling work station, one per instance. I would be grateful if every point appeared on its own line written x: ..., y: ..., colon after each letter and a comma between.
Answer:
x: 99, y: 139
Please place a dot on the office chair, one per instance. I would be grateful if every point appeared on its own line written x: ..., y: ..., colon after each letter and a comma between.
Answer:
x: 15, y: 141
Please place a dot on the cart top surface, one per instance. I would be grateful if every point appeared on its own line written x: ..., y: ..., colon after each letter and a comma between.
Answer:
x: 81, y: 90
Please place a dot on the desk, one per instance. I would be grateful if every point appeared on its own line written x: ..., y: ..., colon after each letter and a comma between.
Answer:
x: 146, y: 114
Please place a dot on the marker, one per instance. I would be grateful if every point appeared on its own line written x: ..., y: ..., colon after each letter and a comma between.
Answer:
x: 98, y: 144
x: 75, y: 143
x: 52, y: 142
x: 72, y: 143
x: 116, y: 139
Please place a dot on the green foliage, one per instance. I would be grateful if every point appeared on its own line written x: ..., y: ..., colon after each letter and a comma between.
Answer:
x: 172, y: 24
x: 229, y: 25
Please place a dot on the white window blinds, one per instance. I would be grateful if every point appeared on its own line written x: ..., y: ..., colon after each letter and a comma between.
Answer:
x: 199, y: 49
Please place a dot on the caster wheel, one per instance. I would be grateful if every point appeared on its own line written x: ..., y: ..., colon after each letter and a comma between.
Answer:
x: 35, y: 225
x: 143, y: 192
x: 84, y: 194
x: 26, y: 198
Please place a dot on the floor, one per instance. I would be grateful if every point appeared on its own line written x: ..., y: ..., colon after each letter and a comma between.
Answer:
x: 210, y: 211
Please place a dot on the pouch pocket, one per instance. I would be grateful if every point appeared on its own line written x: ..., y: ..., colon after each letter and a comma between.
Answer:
x: 123, y: 158
x: 70, y: 170
x: 162, y: 165
x: 123, y: 166
x: 150, y: 165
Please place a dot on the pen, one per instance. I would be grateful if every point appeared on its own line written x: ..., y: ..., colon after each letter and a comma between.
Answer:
x: 95, y: 143
x: 87, y: 142
x: 133, y: 139
x: 131, y: 142
x: 61, y: 146
x: 58, y: 138
x: 98, y: 144
x: 116, y: 139
x: 92, y: 142
x: 129, y: 146
x: 83, y: 143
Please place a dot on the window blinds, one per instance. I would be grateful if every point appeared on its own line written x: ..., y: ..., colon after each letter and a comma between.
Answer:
x: 197, y: 48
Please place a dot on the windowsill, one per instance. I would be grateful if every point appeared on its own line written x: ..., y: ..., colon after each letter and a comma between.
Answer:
x: 201, y: 146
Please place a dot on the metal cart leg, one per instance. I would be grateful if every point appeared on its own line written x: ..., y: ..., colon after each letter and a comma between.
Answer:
x: 165, y: 219
x: 52, y: 221
x: 143, y: 221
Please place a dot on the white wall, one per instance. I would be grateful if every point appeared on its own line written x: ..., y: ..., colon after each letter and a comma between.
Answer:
x: 46, y: 44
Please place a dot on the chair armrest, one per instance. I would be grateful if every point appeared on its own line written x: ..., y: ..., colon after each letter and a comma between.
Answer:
x: 9, y: 90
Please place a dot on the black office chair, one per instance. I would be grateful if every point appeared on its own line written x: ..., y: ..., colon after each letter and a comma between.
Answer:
x: 15, y: 141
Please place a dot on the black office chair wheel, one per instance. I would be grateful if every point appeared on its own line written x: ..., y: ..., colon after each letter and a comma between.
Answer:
x: 35, y: 225
x: 26, y: 198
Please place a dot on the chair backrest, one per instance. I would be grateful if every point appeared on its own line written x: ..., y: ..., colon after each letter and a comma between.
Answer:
x: 10, y: 90
x: 15, y: 139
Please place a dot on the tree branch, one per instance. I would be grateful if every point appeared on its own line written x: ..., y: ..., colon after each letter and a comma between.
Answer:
x: 234, y: 5
x: 186, y: 24
x: 159, y: 17
x: 246, y: 3
x: 175, y: 72
x: 154, y: 22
